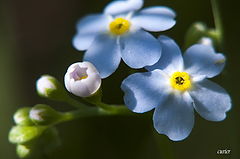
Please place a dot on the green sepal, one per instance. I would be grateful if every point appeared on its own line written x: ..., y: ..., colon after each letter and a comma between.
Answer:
x: 24, y: 134
x: 195, y: 32
x: 50, y: 140
x: 21, y: 117
x: 44, y: 145
x: 95, y: 98
x: 23, y: 151
x: 42, y: 114
x: 199, y: 30
x: 58, y: 93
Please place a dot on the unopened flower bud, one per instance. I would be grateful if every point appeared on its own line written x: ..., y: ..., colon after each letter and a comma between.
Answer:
x: 23, y: 151
x: 50, y: 87
x: 195, y: 32
x: 82, y: 79
x: 21, y: 117
x: 199, y: 31
x: 50, y: 139
x: 42, y: 114
x: 24, y: 134
x: 44, y: 144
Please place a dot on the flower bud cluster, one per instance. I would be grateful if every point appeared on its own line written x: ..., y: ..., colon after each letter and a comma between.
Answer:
x: 33, y: 132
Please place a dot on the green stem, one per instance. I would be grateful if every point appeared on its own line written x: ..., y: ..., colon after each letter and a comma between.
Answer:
x: 88, y: 110
x: 96, y: 111
x: 217, y: 21
x: 75, y: 103
x: 68, y: 116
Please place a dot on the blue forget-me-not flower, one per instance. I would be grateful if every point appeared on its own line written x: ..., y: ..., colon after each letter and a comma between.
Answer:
x: 120, y: 33
x: 176, y: 85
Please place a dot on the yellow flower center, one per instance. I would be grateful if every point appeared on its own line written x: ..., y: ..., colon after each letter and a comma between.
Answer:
x: 180, y: 81
x: 83, y: 77
x: 119, y: 26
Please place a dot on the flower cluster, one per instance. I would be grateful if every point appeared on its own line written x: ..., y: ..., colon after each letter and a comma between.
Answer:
x: 31, y: 134
x: 175, y: 85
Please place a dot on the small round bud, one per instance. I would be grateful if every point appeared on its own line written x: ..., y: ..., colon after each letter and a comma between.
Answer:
x: 21, y: 117
x: 42, y: 114
x: 25, y: 134
x: 49, y: 87
x: 46, y: 143
x: 46, y: 84
x: 195, y: 32
x: 23, y: 151
x: 198, y: 32
x: 51, y: 140
x: 82, y: 79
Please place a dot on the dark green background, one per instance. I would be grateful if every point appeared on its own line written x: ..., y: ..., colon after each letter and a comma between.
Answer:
x: 35, y: 39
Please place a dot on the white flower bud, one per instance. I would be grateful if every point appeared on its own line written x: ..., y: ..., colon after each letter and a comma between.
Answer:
x: 21, y: 117
x: 42, y: 114
x: 45, y: 84
x: 82, y: 79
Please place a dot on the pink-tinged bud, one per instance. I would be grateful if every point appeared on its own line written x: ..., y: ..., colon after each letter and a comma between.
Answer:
x: 82, y: 79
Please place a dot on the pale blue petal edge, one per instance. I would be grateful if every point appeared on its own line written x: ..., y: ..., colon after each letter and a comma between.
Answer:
x: 202, y: 60
x: 123, y: 6
x: 140, y: 49
x: 175, y: 117
x: 171, y: 59
x: 104, y: 53
x: 211, y: 101
x: 155, y: 19
x: 144, y: 91
x: 87, y: 29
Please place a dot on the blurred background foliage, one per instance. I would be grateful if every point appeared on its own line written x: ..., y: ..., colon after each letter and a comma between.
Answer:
x: 35, y: 39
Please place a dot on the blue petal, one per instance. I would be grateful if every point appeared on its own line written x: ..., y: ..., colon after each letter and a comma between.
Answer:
x: 87, y: 29
x: 145, y: 91
x: 155, y: 18
x: 83, y: 41
x: 211, y: 101
x: 175, y: 117
x: 171, y: 59
x: 95, y: 23
x: 201, y: 60
x: 140, y: 49
x: 104, y: 53
x: 159, y: 10
x: 123, y: 6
